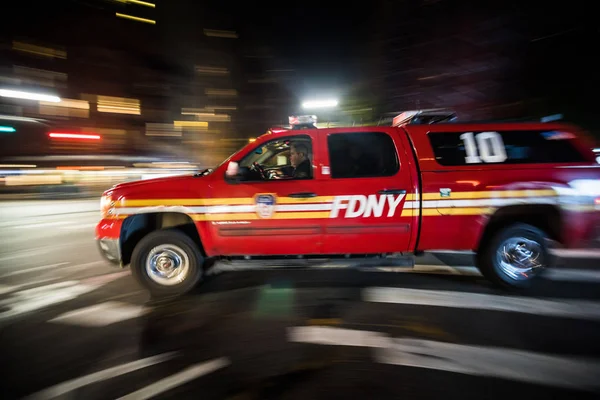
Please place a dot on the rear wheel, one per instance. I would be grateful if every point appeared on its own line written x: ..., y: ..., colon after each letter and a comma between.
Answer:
x: 167, y: 263
x: 515, y: 256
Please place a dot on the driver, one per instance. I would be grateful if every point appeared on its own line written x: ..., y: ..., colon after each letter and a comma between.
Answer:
x: 299, y: 160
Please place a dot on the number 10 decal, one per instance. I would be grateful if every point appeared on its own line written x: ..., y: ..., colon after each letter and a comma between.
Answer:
x: 490, y: 146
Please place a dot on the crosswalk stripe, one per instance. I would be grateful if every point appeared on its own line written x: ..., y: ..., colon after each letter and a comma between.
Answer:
x: 518, y: 365
x: 584, y: 309
x: 69, y: 386
x: 99, y: 315
x: 178, y: 379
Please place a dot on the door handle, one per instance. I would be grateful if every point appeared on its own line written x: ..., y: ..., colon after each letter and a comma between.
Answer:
x: 302, y: 195
x: 392, y: 191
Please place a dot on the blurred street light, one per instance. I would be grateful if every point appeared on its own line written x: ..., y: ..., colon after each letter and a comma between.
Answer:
x: 79, y: 136
x: 8, y: 129
x: 133, y: 18
x: 320, y: 103
x: 17, y: 94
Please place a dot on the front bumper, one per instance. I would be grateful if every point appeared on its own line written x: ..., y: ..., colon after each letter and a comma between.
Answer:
x: 110, y: 250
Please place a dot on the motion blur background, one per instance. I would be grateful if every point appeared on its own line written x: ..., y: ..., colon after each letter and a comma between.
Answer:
x: 165, y: 87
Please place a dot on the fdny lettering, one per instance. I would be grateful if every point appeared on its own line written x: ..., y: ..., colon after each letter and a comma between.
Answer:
x: 365, y: 206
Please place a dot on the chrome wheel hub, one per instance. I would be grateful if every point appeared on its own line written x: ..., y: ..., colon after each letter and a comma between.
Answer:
x: 167, y: 264
x: 520, y: 258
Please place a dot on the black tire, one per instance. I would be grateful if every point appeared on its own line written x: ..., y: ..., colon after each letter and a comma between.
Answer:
x: 489, y: 265
x: 167, y: 237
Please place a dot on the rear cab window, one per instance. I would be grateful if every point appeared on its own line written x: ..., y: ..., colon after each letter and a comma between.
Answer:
x: 362, y: 155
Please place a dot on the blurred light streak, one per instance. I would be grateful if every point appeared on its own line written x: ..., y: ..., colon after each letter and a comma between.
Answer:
x: 194, y: 124
x: 81, y: 168
x: 221, y: 92
x: 118, y: 105
x: 17, y: 94
x: 141, y: 3
x: 204, y: 69
x: 221, y: 33
x: 252, y: 139
x: 319, y: 103
x: 39, y: 50
x: 131, y: 17
x: 42, y: 77
x: 16, y: 118
x: 70, y: 103
x: 8, y: 129
x: 18, y: 166
x: 60, y: 135
x: 209, y: 117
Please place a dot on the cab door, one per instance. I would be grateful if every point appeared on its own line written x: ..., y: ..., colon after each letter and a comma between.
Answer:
x: 263, y: 217
x: 374, y: 206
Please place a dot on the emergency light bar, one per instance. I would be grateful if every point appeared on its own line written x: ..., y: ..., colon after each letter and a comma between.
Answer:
x: 424, y: 117
x: 303, y: 121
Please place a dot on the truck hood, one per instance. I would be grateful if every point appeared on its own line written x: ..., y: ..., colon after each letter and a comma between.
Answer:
x: 153, y: 181
x: 174, y: 187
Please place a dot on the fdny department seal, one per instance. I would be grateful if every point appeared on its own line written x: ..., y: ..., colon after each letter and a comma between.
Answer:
x: 265, y: 205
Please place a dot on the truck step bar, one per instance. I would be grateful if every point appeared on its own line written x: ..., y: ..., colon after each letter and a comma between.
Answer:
x: 352, y: 263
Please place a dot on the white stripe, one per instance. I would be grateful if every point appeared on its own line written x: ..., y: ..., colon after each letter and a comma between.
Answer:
x: 582, y: 309
x: 519, y: 365
x: 74, y: 384
x: 178, y: 379
x: 304, y: 207
x: 498, y: 202
x: 102, y: 314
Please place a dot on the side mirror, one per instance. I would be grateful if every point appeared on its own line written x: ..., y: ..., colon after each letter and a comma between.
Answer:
x: 235, y: 173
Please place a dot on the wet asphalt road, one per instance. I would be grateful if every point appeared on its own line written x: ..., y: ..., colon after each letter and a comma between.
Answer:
x: 73, y: 326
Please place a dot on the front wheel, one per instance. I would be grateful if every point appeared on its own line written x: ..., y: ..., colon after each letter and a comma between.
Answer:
x: 167, y: 263
x: 515, y: 256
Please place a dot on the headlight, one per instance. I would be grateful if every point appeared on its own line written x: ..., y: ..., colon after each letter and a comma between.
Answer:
x: 106, y: 206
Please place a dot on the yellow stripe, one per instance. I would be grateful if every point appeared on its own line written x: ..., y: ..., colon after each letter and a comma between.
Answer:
x: 494, y: 194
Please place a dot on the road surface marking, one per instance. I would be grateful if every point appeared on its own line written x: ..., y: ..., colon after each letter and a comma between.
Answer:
x: 326, y: 335
x: 13, y: 288
x: 77, y: 227
x: 576, y: 253
x: 566, y: 308
x: 74, y: 384
x: 553, y: 274
x: 178, y: 379
x: 518, y: 365
x: 572, y: 275
x: 98, y: 315
x: 44, y: 224
x: 44, y: 296
x: 34, y: 269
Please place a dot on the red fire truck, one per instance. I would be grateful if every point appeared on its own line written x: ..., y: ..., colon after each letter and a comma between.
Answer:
x: 507, y: 191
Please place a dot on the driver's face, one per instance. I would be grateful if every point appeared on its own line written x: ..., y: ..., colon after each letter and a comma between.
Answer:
x: 295, y: 157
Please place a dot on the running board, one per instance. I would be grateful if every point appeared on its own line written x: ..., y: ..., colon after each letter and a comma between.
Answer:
x: 401, y: 262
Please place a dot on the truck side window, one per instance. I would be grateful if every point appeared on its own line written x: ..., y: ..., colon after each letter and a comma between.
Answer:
x: 362, y: 155
x: 283, y: 158
x: 515, y: 147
